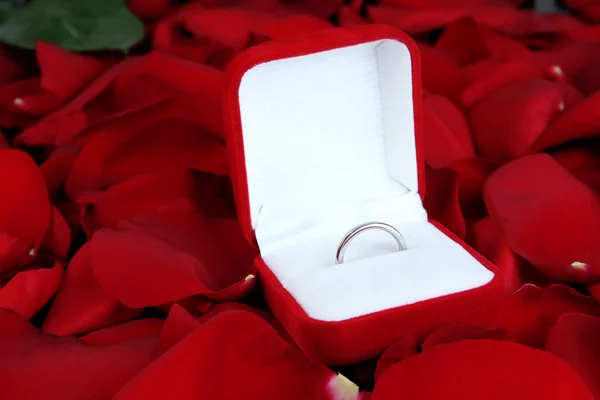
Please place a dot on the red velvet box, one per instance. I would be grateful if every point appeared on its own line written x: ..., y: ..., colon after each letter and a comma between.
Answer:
x: 324, y: 132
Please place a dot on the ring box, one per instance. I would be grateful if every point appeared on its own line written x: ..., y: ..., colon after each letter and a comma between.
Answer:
x: 324, y: 132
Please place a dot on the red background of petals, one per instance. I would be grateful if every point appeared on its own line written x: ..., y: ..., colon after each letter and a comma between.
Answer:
x: 124, y: 273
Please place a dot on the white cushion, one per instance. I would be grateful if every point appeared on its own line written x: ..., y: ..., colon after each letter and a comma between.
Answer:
x: 329, y: 142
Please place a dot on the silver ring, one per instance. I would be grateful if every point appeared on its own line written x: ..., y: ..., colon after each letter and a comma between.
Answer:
x: 352, y: 233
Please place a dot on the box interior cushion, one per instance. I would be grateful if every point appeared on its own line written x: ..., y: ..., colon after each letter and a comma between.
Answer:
x: 329, y: 142
x: 374, y: 276
x: 317, y: 129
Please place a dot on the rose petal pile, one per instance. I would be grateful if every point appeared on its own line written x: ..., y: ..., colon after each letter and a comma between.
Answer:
x: 124, y: 273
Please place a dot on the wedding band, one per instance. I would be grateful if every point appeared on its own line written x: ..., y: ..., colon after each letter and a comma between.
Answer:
x: 352, y: 233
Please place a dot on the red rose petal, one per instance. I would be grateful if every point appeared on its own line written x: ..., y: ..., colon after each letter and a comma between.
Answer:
x: 195, y: 305
x: 588, y: 8
x: 14, y: 253
x: 481, y: 69
x: 514, y: 22
x: 87, y: 173
x: 37, y: 104
x: 487, y: 238
x: 178, y: 325
x: 61, y: 126
x: 507, y: 20
x: 234, y: 291
x: 401, y: 349
x: 36, y: 366
x: 570, y: 56
x: 441, y: 74
x: 461, y: 41
x: 594, y: 290
x: 574, y: 338
x: 25, y: 97
x: 57, y: 166
x: 171, y: 36
x: 219, y: 34
x: 10, y: 119
x: 64, y: 73
x: 129, y: 123
x: 566, y: 22
x: 587, y: 78
x: 472, y: 173
x: 265, y: 314
x: 481, y: 369
x: 24, y: 205
x: 556, y: 73
x: 72, y: 214
x: 415, y: 21
x: 81, y: 305
x: 291, y: 26
x: 507, y: 123
x: 148, y: 9
x: 592, y: 11
x: 447, y: 3
x: 196, y: 86
x: 350, y: 16
x: 456, y: 333
x: 547, y: 216
x: 11, y: 95
x: 497, y: 78
x: 58, y: 238
x: 28, y: 291
x: 138, y: 195
x: 122, y: 258
x: 441, y: 200
x: 229, y: 27
x: 505, y: 48
x: 581, y: 121
x: 361, y: 373
x: 148, y: 193
x: 185, y: 147
x: 581, y: 161
x: 99, y: 85
x: 321, y: 8
x: 415, y: 3
x: 261, y: 5
x: 217, y: 243
x: 447, y: 135
x: 56, y: 128
x: 135, y: 329
x: 570, y: 95
x: 528, y: 314
x: 257, y: 364
x: 12, y: 65
x: 3, y: 142
x: 543, y: 40
x: 182, y: 251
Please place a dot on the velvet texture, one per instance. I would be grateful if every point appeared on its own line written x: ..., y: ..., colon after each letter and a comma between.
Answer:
x: 354, y: 339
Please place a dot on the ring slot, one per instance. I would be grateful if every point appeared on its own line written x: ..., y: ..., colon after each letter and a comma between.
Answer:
x: 354, y: 232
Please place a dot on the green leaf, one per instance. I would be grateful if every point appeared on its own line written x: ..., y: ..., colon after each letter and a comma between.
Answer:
x: 77, y: 25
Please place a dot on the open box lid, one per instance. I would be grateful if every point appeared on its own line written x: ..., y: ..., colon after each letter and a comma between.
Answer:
x: 328, y: 118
